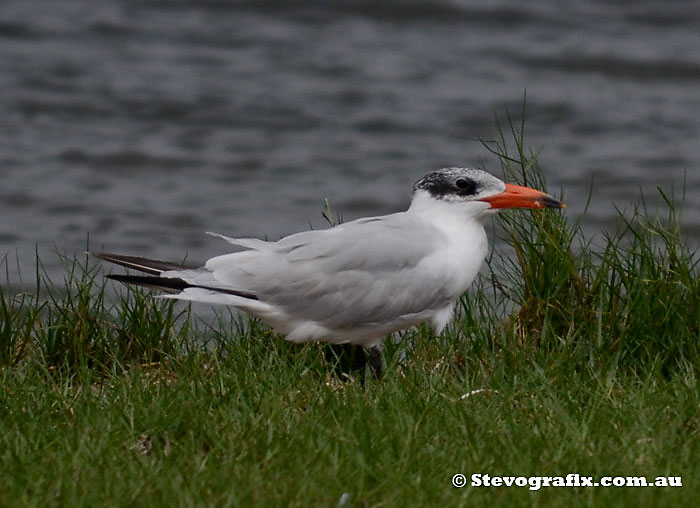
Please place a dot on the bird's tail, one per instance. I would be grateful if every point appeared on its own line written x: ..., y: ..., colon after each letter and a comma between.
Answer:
x: 155, y: 268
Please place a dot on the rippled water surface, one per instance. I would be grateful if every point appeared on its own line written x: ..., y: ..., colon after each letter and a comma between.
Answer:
x: 146, y: 123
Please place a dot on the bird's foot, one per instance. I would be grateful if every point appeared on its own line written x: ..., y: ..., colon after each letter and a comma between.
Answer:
x: 349, y: 359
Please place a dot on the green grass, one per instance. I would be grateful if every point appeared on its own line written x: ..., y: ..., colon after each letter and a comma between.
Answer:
x: 567, y: 357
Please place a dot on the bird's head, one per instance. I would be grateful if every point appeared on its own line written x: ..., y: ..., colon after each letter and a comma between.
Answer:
x: 465, y: 185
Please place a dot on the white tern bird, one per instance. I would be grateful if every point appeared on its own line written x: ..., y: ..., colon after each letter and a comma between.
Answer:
x: 359, y: 281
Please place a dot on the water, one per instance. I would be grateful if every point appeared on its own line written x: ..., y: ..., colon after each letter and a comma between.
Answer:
x: 146, y: 123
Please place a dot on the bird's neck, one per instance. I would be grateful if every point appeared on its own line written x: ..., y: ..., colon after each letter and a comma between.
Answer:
x: 444, y: 211
x: 464, y: 244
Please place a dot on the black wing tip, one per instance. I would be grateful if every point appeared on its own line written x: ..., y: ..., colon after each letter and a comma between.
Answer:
x: 146, y: 265
x: 99, y: 255
x: 173, y: 284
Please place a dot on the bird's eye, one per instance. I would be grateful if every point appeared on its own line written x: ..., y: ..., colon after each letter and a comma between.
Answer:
x: 468, y: 186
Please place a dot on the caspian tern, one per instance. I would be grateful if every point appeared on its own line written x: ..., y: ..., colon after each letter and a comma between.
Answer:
x: 359, y: 281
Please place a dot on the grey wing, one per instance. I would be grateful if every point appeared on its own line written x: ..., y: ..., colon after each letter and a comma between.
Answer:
x: 362, y: 272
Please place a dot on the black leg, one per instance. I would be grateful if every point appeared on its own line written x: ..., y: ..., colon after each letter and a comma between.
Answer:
x: 348, y: 359
x: 375, y: 361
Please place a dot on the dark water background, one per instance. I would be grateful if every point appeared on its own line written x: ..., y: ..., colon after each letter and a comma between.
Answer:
x: 146, y: 123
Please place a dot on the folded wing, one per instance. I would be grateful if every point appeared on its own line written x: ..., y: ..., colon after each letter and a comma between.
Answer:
x: 359, y: 273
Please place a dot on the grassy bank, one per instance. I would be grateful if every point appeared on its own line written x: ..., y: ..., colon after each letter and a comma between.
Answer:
x: 567, y: 357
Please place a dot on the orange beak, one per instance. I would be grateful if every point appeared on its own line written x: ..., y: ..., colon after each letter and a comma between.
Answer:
x: 516, y: 196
